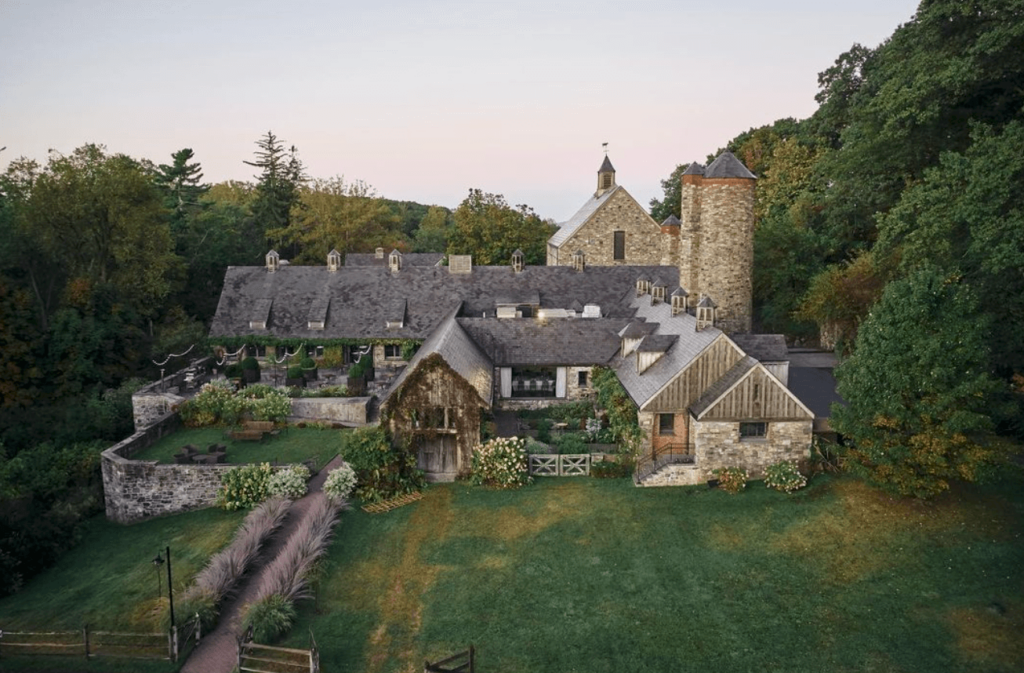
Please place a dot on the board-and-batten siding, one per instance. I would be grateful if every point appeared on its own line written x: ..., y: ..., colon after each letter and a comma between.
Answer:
x: 757, y: 397
x: 711, y: 365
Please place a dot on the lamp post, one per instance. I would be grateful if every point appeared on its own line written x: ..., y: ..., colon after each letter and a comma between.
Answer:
x: 158, y: 561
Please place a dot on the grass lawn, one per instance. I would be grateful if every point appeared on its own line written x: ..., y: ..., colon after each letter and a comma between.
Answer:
x: 596, y: 575
x: 109, y: 582
x: 293, y: 445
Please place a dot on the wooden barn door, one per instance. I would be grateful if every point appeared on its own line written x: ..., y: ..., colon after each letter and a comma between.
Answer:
x: 437, y: 455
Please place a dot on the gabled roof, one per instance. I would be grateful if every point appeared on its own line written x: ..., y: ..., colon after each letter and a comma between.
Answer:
x: 722, y: 386
x: 570, y: 226
x: 764, y: 347
x: 561, y: 342
x: 408, y: 259
x: 361, y: 298
x: 727, y: 166
x: 657, y: 343
x: 688, y: 345
x: 462, y: 355
x: 637, y: 329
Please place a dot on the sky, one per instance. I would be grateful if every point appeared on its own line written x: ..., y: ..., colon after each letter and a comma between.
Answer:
x: 423, y: 100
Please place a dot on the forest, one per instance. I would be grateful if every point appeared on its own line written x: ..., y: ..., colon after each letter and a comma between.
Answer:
x: 890, y: 227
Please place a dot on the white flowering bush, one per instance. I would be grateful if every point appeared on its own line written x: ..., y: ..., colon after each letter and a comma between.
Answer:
x: 206, y: 407
x: 289, y: 483
x: 340, y: 481
x: 217, y: 402
x: 244, y: 487
x: 501, y: 463
x: 784, y: 476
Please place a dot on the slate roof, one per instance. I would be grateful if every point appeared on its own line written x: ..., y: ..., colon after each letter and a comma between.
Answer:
x: 606, y: 166
x: 570, y: 226
x: 764, y: 347
x: 719, y: 387
x: 561, y: 342
x: 688, y: 345
x: 656, y: 343
x: 727, y: 166
x: 694, y: 169
x: 361, y: 298
x: 671, y: 221
x: 408, y: 259
x: 638, y: 328
x: 458, y: 350
x: 815, y: 387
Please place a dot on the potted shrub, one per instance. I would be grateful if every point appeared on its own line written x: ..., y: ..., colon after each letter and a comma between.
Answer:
x: 250, y: 370
x: 294, y: 377
x: 309, y: 370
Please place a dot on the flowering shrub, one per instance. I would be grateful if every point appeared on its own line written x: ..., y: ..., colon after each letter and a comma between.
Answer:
x: 501, y: 463
x: 289, y: 484
x: 784, y: 476
x: 731, y: 479
x: 244, y: 486
x: 217, y: 403
x: 382, y: 470
x: 340, y: 481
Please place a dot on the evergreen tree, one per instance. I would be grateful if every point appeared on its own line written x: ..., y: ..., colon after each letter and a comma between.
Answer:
x: 277, y: 187
x: 181, y: 185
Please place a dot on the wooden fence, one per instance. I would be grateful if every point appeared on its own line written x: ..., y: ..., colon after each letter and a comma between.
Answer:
x: 560, y: 465
x: 255, y: 658
x: 462, y: 662
x: 87, y: 643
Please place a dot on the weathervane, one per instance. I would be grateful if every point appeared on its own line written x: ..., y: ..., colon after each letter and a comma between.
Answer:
x: 604, y: 146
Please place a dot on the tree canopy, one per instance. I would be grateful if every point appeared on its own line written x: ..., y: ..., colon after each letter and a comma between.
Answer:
x: 491, y: 230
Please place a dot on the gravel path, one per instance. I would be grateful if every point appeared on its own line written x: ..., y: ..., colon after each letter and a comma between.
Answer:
x: 218, y: 652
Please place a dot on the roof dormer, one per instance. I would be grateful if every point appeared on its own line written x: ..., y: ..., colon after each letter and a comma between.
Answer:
x: 273, y: 261
x: 643, y: 286
x: 517, y: 260
x: 395, y: 260
x: 333, y: 261
x: 657, y: 293
x: 679, y: 296
x: 578, y: 260
x: 705, y: 313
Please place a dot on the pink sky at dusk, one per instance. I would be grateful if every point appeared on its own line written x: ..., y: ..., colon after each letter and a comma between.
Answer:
x: 423, y: 100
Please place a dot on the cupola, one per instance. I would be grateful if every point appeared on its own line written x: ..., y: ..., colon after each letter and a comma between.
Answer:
x: 333, y: 261
x: 273, y: 261
x: 679, y: 301
x: 705, y: 313
x: 657, y: 292
x: 379, y: 253
x: 643, y: 286
x: 395, y: 260
x: 605, y: 177
x: 517, y: 260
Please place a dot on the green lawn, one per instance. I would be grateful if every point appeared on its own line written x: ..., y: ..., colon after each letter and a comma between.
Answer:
x: 596, y: 575
x: 109, y: 582
x: 292, y: 445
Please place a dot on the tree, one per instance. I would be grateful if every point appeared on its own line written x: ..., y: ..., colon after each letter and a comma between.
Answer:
x: 490, y: 230
x: 671, y: 203
x: 919, y: 389
x: 348, y: 216
x: 434, y: 231
x: 182, y: 188
x: 277, y: 187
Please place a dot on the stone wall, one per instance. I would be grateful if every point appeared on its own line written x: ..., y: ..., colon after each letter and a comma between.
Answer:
x: 347, y: 410
x: 596, y: 238
x: 134, y: 490
x: 726, y: 256
x: 718, y: 444
x: 379, y: 361
x: 155, y: 400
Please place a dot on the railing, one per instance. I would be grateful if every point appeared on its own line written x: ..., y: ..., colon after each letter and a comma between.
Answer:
x: 256, y: 658
x: 666, y: 454
x: 559, y: 465
x: 88, y: 643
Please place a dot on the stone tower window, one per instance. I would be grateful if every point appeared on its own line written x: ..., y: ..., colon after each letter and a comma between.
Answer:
x: 333, y: 261
x: 517, y: 260
x: 619, y: 245
x: 395, y: 260
x: 273, y: 261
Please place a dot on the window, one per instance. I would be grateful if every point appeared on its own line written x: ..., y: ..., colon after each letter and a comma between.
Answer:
x: 581, y: 379
x: 666, y: 425
x: 392, y: 352
x: 620, y: 245
x: 751, y: 431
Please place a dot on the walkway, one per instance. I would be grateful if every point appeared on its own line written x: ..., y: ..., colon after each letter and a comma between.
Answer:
x: 218, y: 652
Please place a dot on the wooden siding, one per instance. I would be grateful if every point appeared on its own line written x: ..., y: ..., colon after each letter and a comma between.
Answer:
x: 757, y: 397
x: 707, y: 368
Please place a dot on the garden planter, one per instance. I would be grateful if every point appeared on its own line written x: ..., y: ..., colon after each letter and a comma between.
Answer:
x: 298, y: 383
x: 310, y: 374
x: 251, y: 375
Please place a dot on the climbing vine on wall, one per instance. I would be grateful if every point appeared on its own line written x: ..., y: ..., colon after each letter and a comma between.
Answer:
x: 622, y: 419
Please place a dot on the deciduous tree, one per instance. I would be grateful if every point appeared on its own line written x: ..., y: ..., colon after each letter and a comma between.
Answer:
x: 491, y: 230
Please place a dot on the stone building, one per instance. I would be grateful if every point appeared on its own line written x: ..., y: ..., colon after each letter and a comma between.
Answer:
x: 712, y: 244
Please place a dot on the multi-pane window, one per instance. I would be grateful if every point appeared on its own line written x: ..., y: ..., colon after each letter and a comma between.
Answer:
x: 666, y: 424
x: 753, y: 430
x: 392, y: 352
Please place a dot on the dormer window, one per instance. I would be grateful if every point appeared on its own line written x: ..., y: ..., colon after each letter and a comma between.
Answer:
x: 517, y: 260
x: 333, y: 261
x: 679, y: 301
x: 657, y: 293
x: 643, y: 286
x: 577, y: 260
x: 705, y: 313
x: 273, y: 261
x: 395, y: 260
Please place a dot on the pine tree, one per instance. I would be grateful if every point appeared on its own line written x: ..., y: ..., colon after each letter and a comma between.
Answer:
x: 277, y: 189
